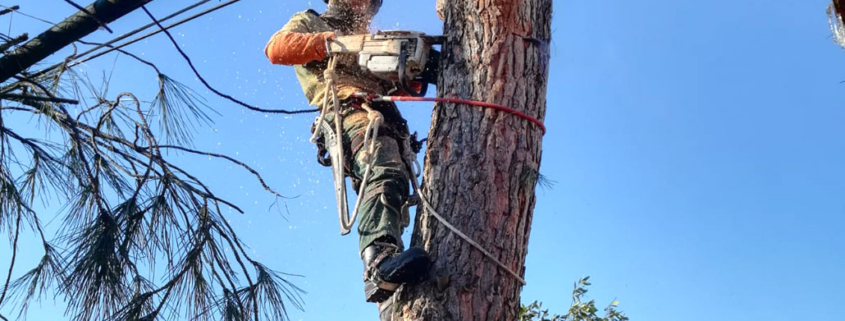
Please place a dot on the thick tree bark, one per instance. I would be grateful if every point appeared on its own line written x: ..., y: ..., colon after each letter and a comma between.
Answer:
x: 482, y: 166
x: 64, y: 33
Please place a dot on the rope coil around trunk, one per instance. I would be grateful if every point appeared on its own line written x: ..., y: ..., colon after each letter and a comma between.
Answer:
x: 498, y: 107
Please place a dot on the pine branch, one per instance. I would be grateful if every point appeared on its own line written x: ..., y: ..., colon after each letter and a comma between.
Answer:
x: 14, y: 256
x: 163, y: 212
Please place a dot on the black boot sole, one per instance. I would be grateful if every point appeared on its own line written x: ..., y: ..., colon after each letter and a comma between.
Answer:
x: 410, y: 267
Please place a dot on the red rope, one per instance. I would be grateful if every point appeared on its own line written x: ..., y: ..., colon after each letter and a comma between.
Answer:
x: 474, y: 103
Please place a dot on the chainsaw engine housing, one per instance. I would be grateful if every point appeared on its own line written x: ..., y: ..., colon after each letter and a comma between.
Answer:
x: 391, y: 55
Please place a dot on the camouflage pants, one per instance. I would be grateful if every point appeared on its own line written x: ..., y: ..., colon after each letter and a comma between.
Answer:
x: 380, y: 215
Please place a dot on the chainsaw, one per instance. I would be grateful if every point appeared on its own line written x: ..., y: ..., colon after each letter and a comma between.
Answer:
x: 397, y: 56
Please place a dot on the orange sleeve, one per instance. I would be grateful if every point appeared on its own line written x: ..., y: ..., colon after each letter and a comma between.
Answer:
x: 296, y: 48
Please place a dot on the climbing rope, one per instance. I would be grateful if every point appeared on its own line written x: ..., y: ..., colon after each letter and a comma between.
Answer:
x: 414, y: 168
x: 335, y: 145
x: 466, y: 238
x: 509, y: 110
x: 370, y: 135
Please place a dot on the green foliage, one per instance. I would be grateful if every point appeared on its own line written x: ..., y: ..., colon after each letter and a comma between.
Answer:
x: 579, y: 311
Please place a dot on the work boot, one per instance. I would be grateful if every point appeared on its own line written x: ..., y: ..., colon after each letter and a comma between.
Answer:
x: 385, y: 269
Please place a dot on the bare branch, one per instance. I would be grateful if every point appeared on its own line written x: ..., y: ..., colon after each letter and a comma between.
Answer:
x: 9, y: 9
x: 37, y: 98
x: 13, y: 42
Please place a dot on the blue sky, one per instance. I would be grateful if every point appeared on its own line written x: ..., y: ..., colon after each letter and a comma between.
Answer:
x: 697, y: 149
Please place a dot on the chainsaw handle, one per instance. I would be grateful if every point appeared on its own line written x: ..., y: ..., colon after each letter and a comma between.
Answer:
x: 346, y: 44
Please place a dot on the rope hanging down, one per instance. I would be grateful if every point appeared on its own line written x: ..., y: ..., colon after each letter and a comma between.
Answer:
x: 466, y: 238
x: 414, y: 168
x: 410, y: 158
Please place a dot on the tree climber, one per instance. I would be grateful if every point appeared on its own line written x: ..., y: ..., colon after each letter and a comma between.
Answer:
x: 302, y: 43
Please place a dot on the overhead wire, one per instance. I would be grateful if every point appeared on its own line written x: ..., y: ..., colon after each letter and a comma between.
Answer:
x: 136, y: 31
x: 157, y: 22
x: 27, y: 15
x: 119, y: 38
x: 207, y: 85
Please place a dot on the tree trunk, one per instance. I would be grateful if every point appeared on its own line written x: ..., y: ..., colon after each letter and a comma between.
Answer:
x: 64, y: 33
x: 482, y: 165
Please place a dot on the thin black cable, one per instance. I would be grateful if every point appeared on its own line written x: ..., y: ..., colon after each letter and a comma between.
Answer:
x: 27, y: 15
x: 207, y: 85
x: 157, y: 23
x: 121, y: 37
x: 142, y: 28
x: 220, y: 6
x: 11, y: 18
